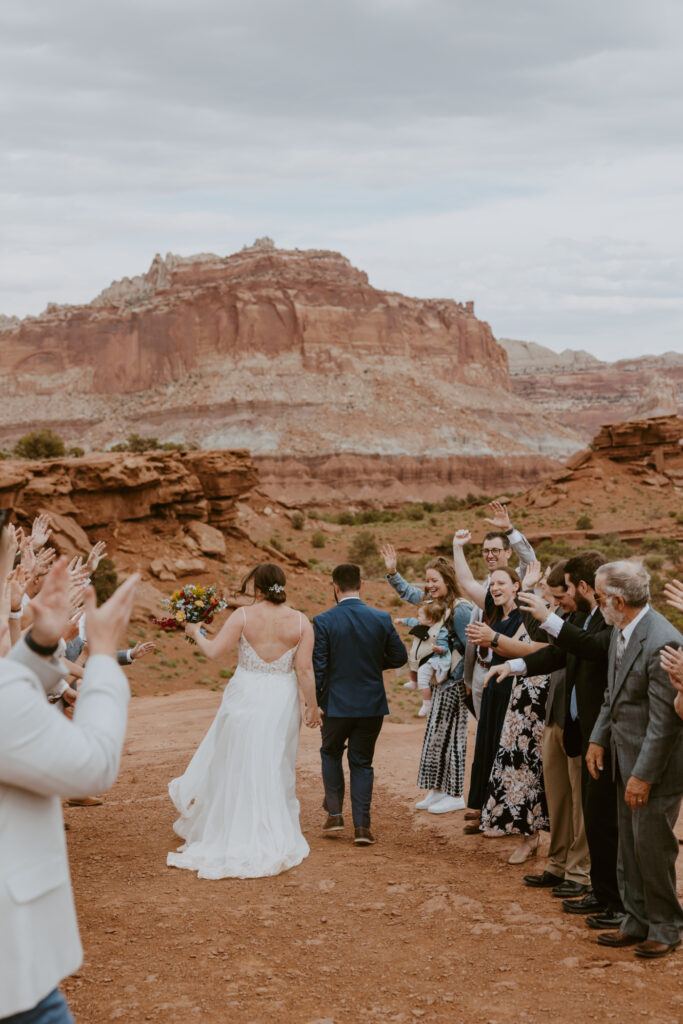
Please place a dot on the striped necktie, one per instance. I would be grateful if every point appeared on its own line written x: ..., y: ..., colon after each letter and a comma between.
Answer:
x: 621, y: 647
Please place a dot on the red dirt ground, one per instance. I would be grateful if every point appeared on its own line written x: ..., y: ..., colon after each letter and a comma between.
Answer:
x: 429, y: 924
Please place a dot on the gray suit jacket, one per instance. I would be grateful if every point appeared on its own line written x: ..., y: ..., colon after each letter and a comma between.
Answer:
x: 637, y: 719
x: 525, y: 553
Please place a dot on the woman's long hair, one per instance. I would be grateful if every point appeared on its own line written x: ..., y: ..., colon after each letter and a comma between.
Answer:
x: 269, y: 579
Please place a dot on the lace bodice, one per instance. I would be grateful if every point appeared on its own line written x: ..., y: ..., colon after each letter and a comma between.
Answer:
x: 252, y: 662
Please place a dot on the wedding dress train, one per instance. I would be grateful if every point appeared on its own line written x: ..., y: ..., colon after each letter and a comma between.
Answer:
x: 239, y: 815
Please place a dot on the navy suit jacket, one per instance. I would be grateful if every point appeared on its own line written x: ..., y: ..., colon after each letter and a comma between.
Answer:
x: 353, y: 645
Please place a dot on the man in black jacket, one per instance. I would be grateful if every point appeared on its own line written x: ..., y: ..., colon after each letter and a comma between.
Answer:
x: 586, y: 682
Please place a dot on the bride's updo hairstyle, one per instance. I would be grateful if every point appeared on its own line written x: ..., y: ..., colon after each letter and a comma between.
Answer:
x: 269, y: 580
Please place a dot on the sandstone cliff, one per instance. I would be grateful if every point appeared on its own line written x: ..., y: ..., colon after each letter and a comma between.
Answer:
x: 293, y: 355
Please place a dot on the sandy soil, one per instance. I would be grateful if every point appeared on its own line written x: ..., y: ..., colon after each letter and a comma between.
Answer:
x: 429, y: 924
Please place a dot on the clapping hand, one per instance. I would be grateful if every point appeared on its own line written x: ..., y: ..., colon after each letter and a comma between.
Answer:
x: 497, y: 672
x: 674, y: 594
x: 479, y: 633
x: 532, y: 576
x: 500, y: 519
x: 533, y: 604
x: 671, y: 660
x: 388, y: 553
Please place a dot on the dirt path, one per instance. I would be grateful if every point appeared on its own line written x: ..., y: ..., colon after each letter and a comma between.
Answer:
x: 429, y: 924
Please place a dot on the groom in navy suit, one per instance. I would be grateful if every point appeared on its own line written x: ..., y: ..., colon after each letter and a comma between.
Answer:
x: 353, y: 645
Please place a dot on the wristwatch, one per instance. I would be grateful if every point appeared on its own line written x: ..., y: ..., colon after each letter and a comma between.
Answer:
x: 494, y: 642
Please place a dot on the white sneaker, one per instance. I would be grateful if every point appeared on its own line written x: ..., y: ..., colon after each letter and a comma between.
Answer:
x: 448, y: 803
x: 433, y: 796
x: 425, y: 709
x: 410, y: 685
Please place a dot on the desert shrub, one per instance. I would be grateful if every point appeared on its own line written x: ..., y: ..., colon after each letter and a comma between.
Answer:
x: 584, y: 522
x: 76, y: 451
x: 136, y: 443
x: 654, y: 562
x: 451, y: 502
x: 39, y: 444
x: 345, y: 518
x: 415, y: 512
x: 275, y: 542
x: 363, y: 551
x: 297, y: 520
x: 318, y: 539
x: 104, y: 580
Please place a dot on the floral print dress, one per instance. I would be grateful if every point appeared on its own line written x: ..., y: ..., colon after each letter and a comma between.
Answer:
x: 515, y: 801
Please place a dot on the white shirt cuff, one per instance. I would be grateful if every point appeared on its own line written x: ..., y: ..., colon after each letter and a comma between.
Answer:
x: 553, y: 624
x: 517, y: 666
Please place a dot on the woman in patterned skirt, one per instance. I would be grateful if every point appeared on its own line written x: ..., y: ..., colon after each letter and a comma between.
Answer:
x: 513, y: 802
x: 442, y: 764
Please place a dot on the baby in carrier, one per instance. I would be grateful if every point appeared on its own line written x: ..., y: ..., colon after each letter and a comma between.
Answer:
x: 430, y: 655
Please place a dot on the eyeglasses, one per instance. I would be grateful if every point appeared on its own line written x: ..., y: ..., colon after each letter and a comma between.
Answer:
x: 491, y: 551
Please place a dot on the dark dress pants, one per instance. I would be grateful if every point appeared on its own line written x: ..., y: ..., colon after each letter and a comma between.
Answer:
x: 599, y: 798
x: 50, y: 1010
x: 360, y: 735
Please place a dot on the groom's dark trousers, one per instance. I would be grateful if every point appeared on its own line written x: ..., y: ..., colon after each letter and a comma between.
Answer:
x: 353, y: 645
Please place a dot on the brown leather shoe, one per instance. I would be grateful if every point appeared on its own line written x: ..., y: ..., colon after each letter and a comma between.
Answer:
x: 334, y: 824
x: 617, y: 939
x: 650, y: 950
x: 84, y: 801
x: 363, y: 837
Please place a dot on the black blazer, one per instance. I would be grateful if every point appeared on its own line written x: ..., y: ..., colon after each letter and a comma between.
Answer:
x: 584, y: 652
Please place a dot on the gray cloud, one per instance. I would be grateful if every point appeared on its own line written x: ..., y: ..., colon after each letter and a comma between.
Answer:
x: 524, y: 155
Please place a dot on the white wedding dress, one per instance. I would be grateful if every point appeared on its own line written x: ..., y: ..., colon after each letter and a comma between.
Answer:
x: 239, y: 815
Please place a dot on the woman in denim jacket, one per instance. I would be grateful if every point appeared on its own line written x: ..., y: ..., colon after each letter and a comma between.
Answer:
x: 442, y: 764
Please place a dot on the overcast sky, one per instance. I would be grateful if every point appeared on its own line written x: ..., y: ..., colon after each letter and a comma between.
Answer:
x: 526, y: 155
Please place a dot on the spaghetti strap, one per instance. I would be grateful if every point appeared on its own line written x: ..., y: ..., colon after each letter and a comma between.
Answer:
x: 244, y: 619
x: 301, y: 626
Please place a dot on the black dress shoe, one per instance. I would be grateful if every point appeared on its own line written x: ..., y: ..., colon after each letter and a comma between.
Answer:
x: 589, y: 904
x: 334, y: 823
x: 569, y: 889
x: 608, y: 919
x: 617, y: 939
x: 363, y: 837
x: 543, y: 881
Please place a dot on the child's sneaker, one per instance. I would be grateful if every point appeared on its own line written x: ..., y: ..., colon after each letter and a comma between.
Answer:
x: 425, y: 709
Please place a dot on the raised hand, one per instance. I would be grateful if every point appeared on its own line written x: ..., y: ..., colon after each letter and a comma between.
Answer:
x: 50, y: 607
x: 532, y: 576
x: 388, y: 553
x: 40, y: 531
x: 104, y: 625
x: 500, y: 519
x: 534, y: 604
x: 461, y: 537
x: 674, y: 594
x: 99, y: 551
x: 44, y: 559
x: 28, y: 558
x: 141, y: 649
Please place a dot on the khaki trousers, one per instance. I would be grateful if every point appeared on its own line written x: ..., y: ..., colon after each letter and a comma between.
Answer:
x: 568, y: 854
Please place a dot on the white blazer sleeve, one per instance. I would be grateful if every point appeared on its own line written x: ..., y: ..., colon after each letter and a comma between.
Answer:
x: 44, y: 752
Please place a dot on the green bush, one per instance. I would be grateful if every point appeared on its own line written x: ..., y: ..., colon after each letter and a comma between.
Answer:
x: 137, y: 443
x: 345, y: 518
x: 363, y: 551
x: 318, y: 540
x: 297, y: 520
x: 39, y: 444
x: 275, y: 542
x: 76, y: 451
x: 584, y: 522
x: 104, y: 580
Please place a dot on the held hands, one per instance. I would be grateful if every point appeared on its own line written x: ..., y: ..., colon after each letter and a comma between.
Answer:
x: 497, y: 672
x: 313, y: 717
x: 595, y: 759
x: 388, y: 553
x: 532, y: 576
x: 500, y: 519
x: 479, y: 633
x: 671, y: 660
x: 534, y: 604
x: 637, y: 793
x: 674, y: 594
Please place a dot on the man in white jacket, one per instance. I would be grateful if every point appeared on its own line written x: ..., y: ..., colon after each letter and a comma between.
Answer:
x: 44, y: 756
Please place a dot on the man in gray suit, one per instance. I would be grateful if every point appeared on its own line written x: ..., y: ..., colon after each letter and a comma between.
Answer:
x: 645, y: 736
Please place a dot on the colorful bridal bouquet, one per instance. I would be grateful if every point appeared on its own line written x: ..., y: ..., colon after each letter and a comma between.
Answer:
x: 191, y: 604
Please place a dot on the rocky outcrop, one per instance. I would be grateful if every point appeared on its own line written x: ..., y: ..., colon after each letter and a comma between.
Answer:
x: 585, y: 392
x: 107, y: 489
x: 292, y: 355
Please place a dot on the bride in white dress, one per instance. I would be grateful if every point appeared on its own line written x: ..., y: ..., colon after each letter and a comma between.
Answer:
x: 239, y: 815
